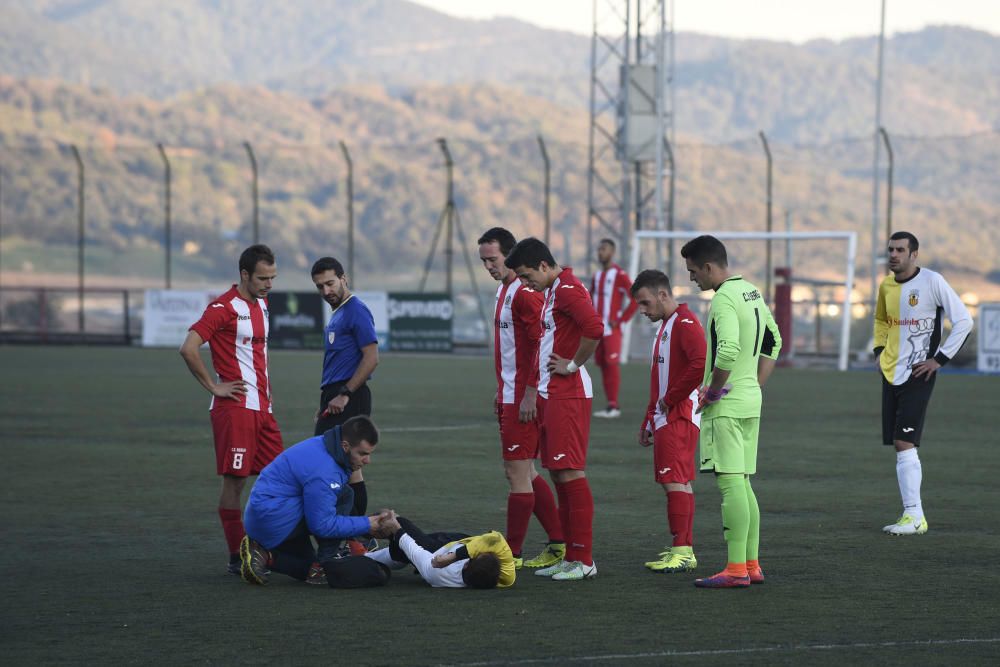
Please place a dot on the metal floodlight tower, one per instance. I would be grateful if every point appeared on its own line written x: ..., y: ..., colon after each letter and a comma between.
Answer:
x: 631, y: 119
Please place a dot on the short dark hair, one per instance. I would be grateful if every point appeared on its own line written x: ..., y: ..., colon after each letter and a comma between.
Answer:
x: 254, y: 254
x: 705, y: 249
x: 482, y: 571
x: 324, y: 264
x: 651, y: 279
x: 910, y: 239
x: 502, y: 237
x: 610, y: 242
x: 359, y: 428
x: 529, y: 252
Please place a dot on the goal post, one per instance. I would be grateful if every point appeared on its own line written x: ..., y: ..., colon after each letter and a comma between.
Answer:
x: 850, y: 238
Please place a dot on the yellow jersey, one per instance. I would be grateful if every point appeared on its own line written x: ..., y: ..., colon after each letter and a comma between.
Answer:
x: 909, y: 323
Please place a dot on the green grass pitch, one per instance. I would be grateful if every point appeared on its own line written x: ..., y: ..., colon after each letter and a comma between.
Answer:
x: 112, y: 550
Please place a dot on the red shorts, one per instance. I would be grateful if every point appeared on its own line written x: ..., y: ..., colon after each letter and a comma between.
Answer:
x: 519, y: 441
x: 674, y: 448
x: 245, y: 440
x: 563, y: 434
x: 609, y: 349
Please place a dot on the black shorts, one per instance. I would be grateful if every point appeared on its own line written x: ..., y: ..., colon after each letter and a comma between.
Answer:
x: 360, y: 404
x: 904, y: 407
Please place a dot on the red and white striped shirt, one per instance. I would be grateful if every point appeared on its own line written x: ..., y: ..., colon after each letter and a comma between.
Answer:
x: 516, y: 333
x: 610, y: 289
x: 676, y: 370
x: 567, y: 316
x: 236, y: 331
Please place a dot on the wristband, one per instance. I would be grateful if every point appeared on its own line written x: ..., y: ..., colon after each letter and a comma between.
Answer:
x: 572, y: 367
x: 345, y: 391
x: 713, y: 396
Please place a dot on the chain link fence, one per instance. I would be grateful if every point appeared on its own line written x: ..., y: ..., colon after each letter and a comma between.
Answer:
x: 135, y: 198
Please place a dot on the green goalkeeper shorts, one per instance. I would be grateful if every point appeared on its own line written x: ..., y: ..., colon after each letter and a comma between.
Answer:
x: 729, y: 445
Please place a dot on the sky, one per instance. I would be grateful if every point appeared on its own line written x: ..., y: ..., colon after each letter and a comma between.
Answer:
x: 785, y: 20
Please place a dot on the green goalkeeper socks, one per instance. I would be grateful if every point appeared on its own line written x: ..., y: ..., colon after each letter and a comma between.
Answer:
x: 735, y: 515
x: 753, y: 535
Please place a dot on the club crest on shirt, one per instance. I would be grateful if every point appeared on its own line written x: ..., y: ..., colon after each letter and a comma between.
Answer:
x: 914, y: 298
x: 330, y: 336
x: 506, y: 301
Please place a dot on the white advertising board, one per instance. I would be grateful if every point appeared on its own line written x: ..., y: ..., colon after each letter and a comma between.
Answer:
x: 989, y: 338
x: 168, y: 314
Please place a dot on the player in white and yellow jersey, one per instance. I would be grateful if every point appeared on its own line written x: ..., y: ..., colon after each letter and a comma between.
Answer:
x: 909, y: 351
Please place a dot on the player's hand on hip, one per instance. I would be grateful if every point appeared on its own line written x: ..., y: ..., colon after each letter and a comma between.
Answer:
x: 707, y: 397
x: 559, y: 365
x: 234, y: 390
x: 337, y: 404
x: 926, y: 369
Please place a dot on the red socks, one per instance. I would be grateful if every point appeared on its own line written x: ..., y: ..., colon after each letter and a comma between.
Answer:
x: 576, y: 508
x: 232, y: 526
x: 611, y: 378
x: 545, y: 509
x: 519, y: 506
x: 680, y: 514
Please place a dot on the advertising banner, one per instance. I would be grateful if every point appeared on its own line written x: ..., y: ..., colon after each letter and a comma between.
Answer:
x: 168, y: 314
x: 420, y: 322
x: 989, y: 338
x: 297, y: 320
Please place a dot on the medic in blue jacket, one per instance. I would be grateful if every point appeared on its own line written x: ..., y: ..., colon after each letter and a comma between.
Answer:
x: 304, y: 492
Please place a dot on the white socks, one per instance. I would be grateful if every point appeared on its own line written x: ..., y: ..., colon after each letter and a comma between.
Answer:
x: 382, y: 556
x: 909, y: 474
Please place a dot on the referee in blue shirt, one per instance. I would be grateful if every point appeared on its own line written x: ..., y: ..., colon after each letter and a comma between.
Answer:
x: 350, y: 357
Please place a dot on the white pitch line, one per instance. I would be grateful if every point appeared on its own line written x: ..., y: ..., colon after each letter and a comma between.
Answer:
x: 409, y: 429
x: 733, y: 651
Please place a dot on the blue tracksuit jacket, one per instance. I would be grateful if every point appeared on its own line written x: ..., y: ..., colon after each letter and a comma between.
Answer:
x: 309, y: 480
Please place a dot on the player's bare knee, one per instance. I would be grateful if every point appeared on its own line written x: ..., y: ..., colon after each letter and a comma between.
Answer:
x: 568, y: 475
x: 519, y: 474
x: 902, y: 445
x: 232, y: 490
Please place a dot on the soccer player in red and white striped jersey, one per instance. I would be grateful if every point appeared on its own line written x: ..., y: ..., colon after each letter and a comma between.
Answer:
x: 517, y: 330
x: 671, y: 423
x: 610, y: 288
x: 247, y: 438
x: 571, y: 329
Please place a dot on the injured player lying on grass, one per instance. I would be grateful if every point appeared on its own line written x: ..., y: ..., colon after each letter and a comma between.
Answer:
x: 448, y: 560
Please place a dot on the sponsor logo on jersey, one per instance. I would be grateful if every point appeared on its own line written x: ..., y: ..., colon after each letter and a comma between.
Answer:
x: 558, y: 457
x: 334, y: 485
x: 687, y: 321
x: 217, y: 305
x: 914, y: 298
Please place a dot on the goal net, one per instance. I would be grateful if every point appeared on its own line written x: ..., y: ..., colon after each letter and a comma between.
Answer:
x: 819, y: 298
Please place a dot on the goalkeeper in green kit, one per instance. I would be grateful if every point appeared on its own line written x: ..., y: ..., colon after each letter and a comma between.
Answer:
x: 743, y: 343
